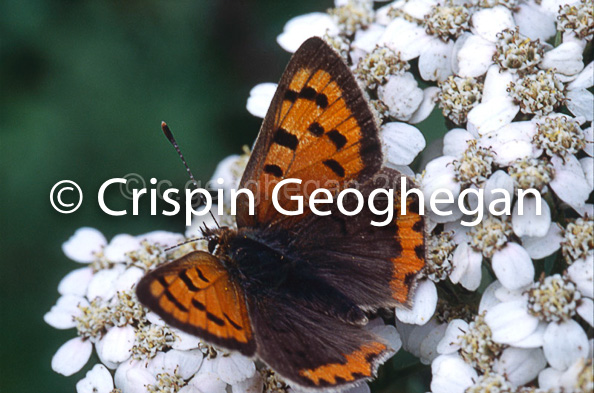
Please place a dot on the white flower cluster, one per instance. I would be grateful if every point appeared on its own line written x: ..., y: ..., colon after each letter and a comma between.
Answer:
x: 137, y: 351
x: 504, y: 306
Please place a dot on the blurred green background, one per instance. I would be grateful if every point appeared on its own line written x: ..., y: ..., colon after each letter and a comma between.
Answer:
x: 85, y: 85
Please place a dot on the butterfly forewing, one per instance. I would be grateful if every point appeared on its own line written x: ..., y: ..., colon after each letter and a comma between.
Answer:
x: 318, y: 129
x: 195, y: 294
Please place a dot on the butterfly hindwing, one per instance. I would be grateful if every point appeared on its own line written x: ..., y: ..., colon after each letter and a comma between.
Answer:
x: 311, y: 349
x: 375, y: 266
x: 195, y: 294
x: 318, y: 129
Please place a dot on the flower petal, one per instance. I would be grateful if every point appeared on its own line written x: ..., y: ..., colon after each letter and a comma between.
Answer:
x: 491, y: 115
x: 162, y: 238
x: 496, y: 83
x: 402, y: 95
x: 116, y: 345
x: 455, y: 142
x: 184, y: 363
x: 61, y: 316
x: 579, y: 102
x: 474, y: 57
x: 260, y: 99
x: 119, y: 246
x: 520, y: 366
x: 76, y: 282
x: 406, y: 38
x: 570, y: 183
x: 510, y: 322
x: 302, y: 27
x: 530, y: 223
x: 512, y: 266
x: 435, y: 63
x: 565, y: 59
x: 564, y: 343
x: 533, y: 22
x: 489, y: 300
x: 254, y: 384
x: 584, y: 80
x: 451, y: 375
x: 466, y: 267
x: 587, y: 164
x: 489, y: 21
x: 423, y: 305
x: 97, y: 380
x: 581, y: 273
x: 205, y: 382
x: 84, y: 244
x: 426, y: 108
x: 72, y: 356
x: 450, y: 342
x: 402, y: 141
x: 103, y: 283
x: 234, y: 368
x: 541, y: 247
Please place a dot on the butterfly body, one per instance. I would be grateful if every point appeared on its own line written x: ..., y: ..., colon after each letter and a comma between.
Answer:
x: 294, y: 291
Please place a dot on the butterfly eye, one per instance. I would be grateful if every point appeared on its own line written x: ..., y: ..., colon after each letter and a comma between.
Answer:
x: 212, y: 244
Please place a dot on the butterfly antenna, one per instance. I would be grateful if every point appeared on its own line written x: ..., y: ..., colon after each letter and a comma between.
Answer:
x: 171, y: 139
x: 186, y: 242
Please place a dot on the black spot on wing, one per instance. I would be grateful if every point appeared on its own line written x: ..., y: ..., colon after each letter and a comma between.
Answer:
x: 337, y: 138
x: 173, y: 300
x: 216, y: 320
x: 235, y: 325
x: 291, y: 95
x: 202, y: 277
x: 273, y: 170
x: 198, y: 304
x: 418, y: 226
x: 420, y: 251
x: 316, y: 129
x: 284, y: 138
x: 309, y: 93
x: 183, y: 275
x: 335, y: 167
x: 322, y: 100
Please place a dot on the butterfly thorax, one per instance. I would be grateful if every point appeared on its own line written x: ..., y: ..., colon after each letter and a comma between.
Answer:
x: 252, y: 258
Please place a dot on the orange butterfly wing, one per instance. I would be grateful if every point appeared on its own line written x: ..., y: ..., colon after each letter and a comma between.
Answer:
x: 195, y: 294
x: 319, y: 129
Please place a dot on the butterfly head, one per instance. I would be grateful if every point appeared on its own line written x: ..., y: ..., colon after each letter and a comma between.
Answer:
x: 217, y: 238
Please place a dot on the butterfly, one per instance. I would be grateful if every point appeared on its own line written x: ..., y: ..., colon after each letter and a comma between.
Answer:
x: 295, y: 291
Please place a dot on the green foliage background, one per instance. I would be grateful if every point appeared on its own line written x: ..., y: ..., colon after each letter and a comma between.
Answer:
x: 85, y: 85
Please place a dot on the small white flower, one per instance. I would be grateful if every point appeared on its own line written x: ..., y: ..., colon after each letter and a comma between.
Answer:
x: 76, y: 282
x: 116, y: 345
x: 570, y: 183
x: 61, y: 316
x: 423, y: 305
x: 510, y: 322
x: 564, y: 343
x: 451, y: 375
x: 402, y: 95
x: 474, y: 56
x: 84, y: 245
x: 300, y: 28
x: 260, y: 98
x: 402, y: 141
x: 231, y: 368
x: 520, y: 366
x: 97, y: 380
x: 488, y: 22
x: 541, y: 247
x: 72, y: 356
